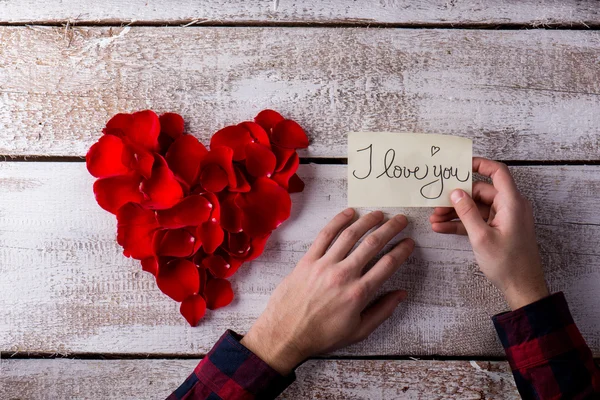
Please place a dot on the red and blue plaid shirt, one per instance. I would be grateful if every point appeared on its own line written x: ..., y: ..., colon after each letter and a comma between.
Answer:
x: 546, y: 352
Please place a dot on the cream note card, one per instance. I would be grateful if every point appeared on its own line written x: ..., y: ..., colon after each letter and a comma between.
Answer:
x: 388, y: 169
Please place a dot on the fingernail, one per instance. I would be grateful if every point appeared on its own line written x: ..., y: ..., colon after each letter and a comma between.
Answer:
x: 457, y: 196
x: 400, y: 218
x: 348, y: 211
x: 378, y: 214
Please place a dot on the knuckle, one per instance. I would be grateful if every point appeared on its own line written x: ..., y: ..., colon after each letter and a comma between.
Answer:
x: 389, y: 261
x: 373, y: 240
x: 338, y: 277
x: 349, y: 235
x: 468, y: 208
x: 326, y: 235
x: 358, y: 293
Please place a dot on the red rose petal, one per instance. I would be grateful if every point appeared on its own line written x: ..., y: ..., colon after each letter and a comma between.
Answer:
x: 175, y: 243
x: 237, y: 244
x: 191, y: 211
x: 282, y: 155
x: 105, y: 157
x: 218, y: 293
x: 184, y: 158
x: 140, y: 128
x: 213, y: 178
x: 143, y: 162
x: 217, y: 265
x: 235, y: 137
x: 268, y: 119
x: 257, y: 246
x: 231, y: 217
x: 211, y: 235
x: 242, y: 184
x: 264, y: 208
x: 193, y: 309
x: 295, y: 184
x: 257, y: 132
x: 290, y: 135
x: 150, y: 265
x: 284, y: 175
x: 112, y: 193
x: 260, y: 160
x: 171, y: 124
x: 162, y: 188
x: 178, y: 279
x: 222, y: 157
x: 135, y: 230
x: 214, y: 200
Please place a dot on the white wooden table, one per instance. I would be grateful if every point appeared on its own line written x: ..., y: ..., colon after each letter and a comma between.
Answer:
x: 78, y: 320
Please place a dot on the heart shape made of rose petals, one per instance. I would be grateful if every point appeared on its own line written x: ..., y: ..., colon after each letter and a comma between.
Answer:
x: 193, y: 215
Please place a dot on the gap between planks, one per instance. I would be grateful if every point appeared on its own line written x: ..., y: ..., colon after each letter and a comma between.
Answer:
x: 315, y: 160
x: 194, y: 23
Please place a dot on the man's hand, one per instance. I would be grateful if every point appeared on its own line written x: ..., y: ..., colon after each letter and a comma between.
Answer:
x: 322, y: 305
x: 505, y: 246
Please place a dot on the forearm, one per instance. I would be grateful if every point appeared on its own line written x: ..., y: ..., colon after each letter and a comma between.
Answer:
x: 546, y: 351
x: 231, y: 371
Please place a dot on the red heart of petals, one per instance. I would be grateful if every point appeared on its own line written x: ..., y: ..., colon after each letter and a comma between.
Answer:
x: 176, y: 201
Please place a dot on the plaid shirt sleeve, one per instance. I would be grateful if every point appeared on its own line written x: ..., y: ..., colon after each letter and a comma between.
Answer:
x: 548, y: 355
x: 231, y: 371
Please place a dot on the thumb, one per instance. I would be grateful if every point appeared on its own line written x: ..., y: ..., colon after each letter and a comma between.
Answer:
x: 467, y: 211
x: 378, y: 312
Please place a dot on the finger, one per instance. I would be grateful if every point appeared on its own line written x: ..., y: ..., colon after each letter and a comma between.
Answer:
x: 499, y: 173
x: 375, y: 242
x: 467, y: 211
x: 352, y: 234
x: 484, y: 192
x: 451, y: 227
x: 484, y: 211
x: 387, y: 266
x: 378, y: 312
x: 328, y: 233
x: 442, y: 210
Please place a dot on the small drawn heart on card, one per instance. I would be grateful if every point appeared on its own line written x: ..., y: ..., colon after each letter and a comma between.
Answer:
x: 434, y: 150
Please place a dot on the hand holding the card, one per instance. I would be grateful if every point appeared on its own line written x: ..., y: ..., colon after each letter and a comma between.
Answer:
x: 323, y: 304
x: 499, y: 223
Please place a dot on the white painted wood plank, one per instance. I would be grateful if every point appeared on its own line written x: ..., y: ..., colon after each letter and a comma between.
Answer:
x: 66, y: 288
x: 410, y: 12
x: 521, y: 95
x: 317, y: 379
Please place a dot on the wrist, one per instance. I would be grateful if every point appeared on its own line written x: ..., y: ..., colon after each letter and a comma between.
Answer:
x: 278, y: 353
x: 518, y: 297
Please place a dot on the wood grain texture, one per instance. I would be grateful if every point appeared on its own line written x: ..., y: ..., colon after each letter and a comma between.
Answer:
x: 66, y: 287
x: 408, y: 12
x: 521, y: 95
x: 317, y: 379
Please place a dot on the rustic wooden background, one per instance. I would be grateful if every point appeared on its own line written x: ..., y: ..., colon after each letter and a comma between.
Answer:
x: 78, y: 320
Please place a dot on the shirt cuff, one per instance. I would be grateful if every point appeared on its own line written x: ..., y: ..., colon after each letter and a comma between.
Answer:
x: 230, y: 366
x: 538, y: 331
